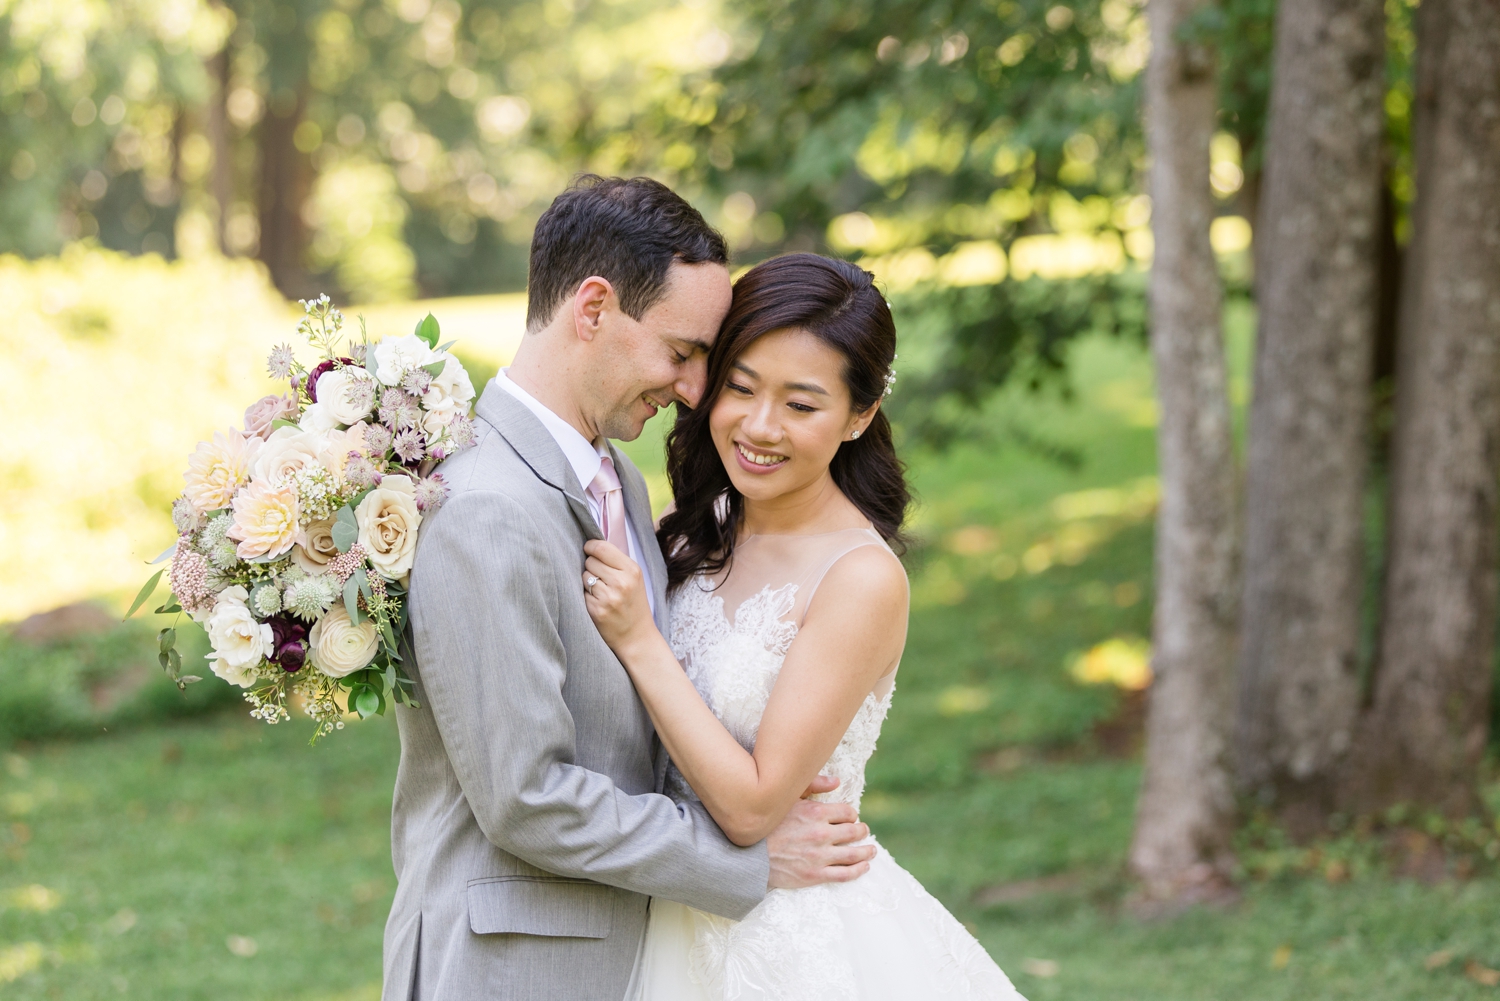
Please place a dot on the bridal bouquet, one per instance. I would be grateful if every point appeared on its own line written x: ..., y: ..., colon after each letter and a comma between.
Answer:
x: 296, y: 535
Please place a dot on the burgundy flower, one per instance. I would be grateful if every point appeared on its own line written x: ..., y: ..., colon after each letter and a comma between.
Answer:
x: 317, y: 372
x: 289, y: 640
x: 291, y: 657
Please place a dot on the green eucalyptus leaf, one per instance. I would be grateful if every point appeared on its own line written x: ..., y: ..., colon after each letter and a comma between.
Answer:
x: 445, y: 347
x: 351, y: 600
x: 435, y: 368
x: 187, y: 679
x: 169, y: 608
x: 175, y: 659
x: 364, y: 582
x: 169, y: 551
x: 345, y: 535
x: 166, y: 639
x: 282, y: 422
x: 145, y: 592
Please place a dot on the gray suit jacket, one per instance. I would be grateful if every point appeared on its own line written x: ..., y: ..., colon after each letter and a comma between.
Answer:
x: 528, y: 828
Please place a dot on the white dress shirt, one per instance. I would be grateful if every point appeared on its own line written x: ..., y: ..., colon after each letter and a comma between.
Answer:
x: 585, y: 457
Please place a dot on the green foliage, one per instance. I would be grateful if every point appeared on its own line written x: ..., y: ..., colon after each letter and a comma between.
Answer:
x: 90, y: 96
x: 93, y: 683
x: 975, y: 338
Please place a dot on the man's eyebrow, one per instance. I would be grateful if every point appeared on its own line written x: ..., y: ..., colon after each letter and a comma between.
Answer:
x: 701, y: 345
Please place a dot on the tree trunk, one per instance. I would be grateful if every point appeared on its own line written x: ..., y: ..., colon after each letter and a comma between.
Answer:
x: 216, y: 128
x: 1181, y: 848
x: 1309, y: 424
x: 285, y: 183
x: 1425, y: 735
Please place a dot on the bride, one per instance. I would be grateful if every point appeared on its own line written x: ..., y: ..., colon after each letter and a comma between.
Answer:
x: 788, y: 622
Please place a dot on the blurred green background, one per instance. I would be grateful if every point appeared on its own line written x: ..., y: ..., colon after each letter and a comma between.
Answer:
x: 173, y: 171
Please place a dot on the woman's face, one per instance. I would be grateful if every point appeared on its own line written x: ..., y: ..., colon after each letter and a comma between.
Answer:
x: 782, y: 414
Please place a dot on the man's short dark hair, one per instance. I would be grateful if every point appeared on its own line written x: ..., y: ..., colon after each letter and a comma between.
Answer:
x: 626, y: 231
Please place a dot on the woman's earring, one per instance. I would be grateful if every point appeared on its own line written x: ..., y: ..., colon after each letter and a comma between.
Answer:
x: 854, y: 435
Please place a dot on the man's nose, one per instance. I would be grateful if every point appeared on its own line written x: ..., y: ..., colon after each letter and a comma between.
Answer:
x: 693, y: 381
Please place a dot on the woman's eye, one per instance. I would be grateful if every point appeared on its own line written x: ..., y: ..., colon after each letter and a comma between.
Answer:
x: 803, y: 408
x: 742, y: 390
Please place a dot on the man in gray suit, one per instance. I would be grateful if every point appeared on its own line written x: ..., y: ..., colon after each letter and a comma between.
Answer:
x: 529, y: 829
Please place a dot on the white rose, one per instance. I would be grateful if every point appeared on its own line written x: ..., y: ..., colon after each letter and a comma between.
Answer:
x: 333, y: 394
x: 239, y: 642
x: 338, y: 646
x: 395, y: 356
x: 452, y: 383
x: 285, y: 454
x: 388, y: 521
x: 317, y: 418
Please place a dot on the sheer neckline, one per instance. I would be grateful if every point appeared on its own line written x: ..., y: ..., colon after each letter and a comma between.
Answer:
x: 807, y: 535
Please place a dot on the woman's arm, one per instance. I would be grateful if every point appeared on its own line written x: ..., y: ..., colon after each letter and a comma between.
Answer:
x: 852, y: 636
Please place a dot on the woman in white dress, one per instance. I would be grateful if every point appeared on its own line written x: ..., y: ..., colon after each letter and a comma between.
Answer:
x: 788, y: 621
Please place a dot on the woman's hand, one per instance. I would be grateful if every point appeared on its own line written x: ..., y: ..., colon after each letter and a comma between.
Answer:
x: 615, y: 593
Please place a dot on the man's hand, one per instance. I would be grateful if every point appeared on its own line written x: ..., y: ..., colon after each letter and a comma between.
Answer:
x: 816, y: 843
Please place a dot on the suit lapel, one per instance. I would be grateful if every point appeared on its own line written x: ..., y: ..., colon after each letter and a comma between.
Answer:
x: 537, y: 449
x: 638, y: 511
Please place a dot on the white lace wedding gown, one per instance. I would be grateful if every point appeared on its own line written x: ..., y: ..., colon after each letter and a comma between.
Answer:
x: 880, y: 937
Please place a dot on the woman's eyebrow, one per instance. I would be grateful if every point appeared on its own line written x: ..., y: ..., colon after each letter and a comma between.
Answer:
x: 808, y: 387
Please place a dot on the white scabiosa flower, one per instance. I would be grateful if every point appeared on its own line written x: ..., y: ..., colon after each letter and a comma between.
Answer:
x: 266, y: 600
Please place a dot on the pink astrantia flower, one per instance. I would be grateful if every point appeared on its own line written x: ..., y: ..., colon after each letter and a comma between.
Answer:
x: 265, y: 520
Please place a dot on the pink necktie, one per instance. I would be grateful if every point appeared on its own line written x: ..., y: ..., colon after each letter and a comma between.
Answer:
x: 606, y: 492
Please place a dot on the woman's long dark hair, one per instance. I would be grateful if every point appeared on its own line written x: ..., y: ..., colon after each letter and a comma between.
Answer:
x: 839, y: 304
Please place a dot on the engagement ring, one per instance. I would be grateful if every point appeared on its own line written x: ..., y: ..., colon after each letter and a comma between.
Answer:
x: 589, y: 582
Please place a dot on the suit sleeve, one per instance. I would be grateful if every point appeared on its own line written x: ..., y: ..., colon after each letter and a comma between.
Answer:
x: 484, y: 612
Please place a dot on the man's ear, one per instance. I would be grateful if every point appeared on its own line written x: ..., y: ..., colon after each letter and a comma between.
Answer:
x: 593, y: 298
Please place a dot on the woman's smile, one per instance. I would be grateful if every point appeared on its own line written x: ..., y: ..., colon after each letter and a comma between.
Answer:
x: 753, y: 460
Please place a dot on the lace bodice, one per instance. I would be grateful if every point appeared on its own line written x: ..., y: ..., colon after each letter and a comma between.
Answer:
x: 732, y: 634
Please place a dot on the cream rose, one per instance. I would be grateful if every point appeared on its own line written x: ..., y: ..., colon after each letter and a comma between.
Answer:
x: 267, y: 411
x: 395, y: 356
x: 318, y: 418
x: 388, y: 521
x: 285, y: 454
x: 348, y: 394
x: 336, y: 446
x: 239, y: 642
x: 435, y: 420
x: 218, y: 468
x: 315, y: 546
x: 338, y: 646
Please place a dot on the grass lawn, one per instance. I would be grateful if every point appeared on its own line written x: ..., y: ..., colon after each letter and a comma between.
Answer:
x: 225, y: 860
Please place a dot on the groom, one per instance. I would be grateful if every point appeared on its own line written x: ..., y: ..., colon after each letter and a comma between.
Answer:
x: 529, y: 829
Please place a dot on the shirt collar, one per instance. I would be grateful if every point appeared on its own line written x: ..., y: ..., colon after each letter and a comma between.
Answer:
x: 583, y: 455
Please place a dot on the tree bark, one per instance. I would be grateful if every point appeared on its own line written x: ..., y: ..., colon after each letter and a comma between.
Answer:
x: 1181, y: 848
x: 1425, y: 735
x: 1309, y: 422
x: 216, y: 128
x: 285, y: 183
